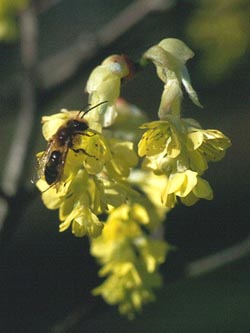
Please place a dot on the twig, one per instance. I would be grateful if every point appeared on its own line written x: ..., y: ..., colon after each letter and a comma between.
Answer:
x: 18, y: 151
x: 63, y: 65
x: 3, y: 211
x: 45, y: 5
x: 218, y: 259
x: 193, y: 269
x: 130, y: 16
x: 77, y: 315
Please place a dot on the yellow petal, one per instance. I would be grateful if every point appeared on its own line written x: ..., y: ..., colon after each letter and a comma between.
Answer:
x: 195, y: 140
x: 203, y: 189
x: 182, y: 183
x: 174, y: 146
x: 175, y: 182
x: 123, y: 158
x: 177, y: 48
x: 168, y: 200
x: 73, y: 214
x: 190, y: 183
x: 189, y: 200
x: 140, y: 214
x: 52, y: 123
x: 198, y: 162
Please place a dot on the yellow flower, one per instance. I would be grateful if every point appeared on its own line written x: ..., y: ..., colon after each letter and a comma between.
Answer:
x: 151, y: 185
x: 104, y: 84
x: 74, y: 203
x: 161, y: 137
x: 122, y: 160
x: 83, y: 198
x: 96, y: 151
x: 188, y: 186
x: 70, y: 168
x: 129, y: 257
x: 153, y: 252
x: 129, y: 118
x: 126, y: 288
x: 179, y: 149
x: 169, y: 57
x: 50, y: 124
x: 93, y: 174
x: 119, y: 227
x: 211, y: 144
x: 50, y: 195
x: 83, y: 222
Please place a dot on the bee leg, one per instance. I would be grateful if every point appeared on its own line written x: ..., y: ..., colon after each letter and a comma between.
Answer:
x: 82, y: 151
x: 86, y: 134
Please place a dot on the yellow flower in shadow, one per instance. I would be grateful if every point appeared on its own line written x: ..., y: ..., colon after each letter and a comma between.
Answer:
x: 129, y: 258
x: 187, y: 186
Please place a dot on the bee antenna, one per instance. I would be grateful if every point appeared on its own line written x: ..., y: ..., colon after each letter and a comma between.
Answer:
x: 93, y: 107
x: 82, y: 110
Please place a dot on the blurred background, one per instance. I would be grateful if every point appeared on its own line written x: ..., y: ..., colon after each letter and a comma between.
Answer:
x: 47, y: 52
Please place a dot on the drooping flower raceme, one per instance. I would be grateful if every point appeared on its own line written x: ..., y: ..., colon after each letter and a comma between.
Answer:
x: 129, y: 257
x: 100, y: 176
x: 174, y: 146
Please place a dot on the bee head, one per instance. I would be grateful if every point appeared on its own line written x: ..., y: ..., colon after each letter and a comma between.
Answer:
x: 78, y: 126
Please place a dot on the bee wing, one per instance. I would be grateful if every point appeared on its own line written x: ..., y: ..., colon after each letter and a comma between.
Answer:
x: 62, y: 164
x: 42, y: 160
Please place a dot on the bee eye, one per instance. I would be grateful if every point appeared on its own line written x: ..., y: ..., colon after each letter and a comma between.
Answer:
x: 79, y: 126
x: 75, y: 124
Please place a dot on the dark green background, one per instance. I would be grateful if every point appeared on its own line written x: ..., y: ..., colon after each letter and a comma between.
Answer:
x: 46, y: 276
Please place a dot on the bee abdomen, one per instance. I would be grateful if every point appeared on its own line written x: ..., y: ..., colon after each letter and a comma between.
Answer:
x: 52, y: 169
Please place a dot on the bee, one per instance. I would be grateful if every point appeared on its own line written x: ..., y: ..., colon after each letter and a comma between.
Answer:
x: 51, y: 163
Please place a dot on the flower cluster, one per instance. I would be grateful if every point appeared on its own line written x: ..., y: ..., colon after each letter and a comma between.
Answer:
x: 94, y: 177
x: 174, y: 146
x: 90, y: 170
x: 129, y: 257
x: 181, y: 150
